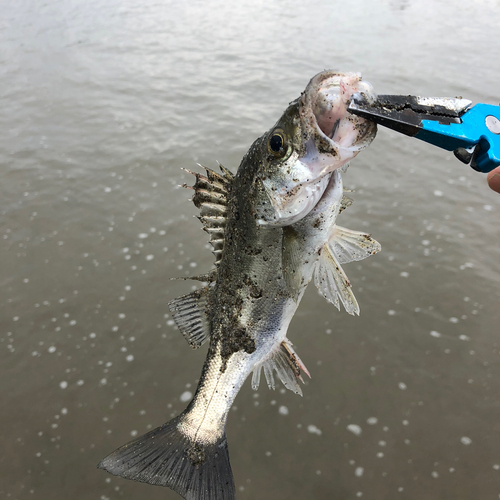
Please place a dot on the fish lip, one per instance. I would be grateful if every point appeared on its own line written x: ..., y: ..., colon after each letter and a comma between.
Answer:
x: 308, y: 101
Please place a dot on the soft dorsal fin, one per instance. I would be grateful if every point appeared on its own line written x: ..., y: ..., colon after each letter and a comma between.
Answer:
x: 210, y: 197
x: 332, y: 282
x: 287, y: 365
x: 190, y: 315
x: 351, y: 246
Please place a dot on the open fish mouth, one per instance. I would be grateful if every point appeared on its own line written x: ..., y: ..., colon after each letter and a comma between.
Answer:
x: 335, y: 136
x: 331, y: 137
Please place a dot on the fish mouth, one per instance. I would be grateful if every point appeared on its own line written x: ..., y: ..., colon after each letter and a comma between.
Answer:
x: 334, y: 136
x: 329, y: 137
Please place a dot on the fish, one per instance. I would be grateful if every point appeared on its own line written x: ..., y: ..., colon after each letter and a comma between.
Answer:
x: 272, y: 226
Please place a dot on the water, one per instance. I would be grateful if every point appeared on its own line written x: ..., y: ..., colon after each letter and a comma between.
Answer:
x: 102, y: 103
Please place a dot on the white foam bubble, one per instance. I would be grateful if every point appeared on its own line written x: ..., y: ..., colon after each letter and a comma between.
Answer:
x: 312, y: 429
x: 186, y: 396
x: 283, y: 410
x: 355, y: 429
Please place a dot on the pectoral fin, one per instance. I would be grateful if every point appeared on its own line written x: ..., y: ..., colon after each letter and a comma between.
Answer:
x: 332, y: 282
x: 190, y: 315
x: 292, y: 258
x: 345, y: 203
x: 349, y: 246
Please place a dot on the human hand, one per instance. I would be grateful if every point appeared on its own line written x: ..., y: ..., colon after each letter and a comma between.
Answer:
x: 494, y: 179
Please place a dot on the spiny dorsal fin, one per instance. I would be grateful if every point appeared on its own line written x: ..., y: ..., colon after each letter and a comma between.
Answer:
x: 332, y: 282
x: 351, y: 246
x: 210, y: 196
x: 227, y: 173
x: 190, y: 315
x: 287, y: 365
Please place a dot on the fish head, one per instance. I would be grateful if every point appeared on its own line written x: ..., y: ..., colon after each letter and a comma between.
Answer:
x: 315, y: 136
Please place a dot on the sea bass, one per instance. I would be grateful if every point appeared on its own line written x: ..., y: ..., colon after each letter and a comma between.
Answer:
x: 272, y: 226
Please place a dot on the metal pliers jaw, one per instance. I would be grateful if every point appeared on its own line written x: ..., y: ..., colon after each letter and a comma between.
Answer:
x: 472, y: 133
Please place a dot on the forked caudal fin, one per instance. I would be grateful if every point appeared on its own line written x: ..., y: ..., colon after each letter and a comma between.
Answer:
x: 165, y: 456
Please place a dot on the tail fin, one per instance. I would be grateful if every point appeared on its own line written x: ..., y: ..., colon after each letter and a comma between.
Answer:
x: 165, y: 456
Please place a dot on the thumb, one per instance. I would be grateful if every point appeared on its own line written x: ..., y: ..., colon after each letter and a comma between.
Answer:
x: 494, y: 179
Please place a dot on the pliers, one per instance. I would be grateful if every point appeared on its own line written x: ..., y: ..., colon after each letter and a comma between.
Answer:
x: 472, y: 133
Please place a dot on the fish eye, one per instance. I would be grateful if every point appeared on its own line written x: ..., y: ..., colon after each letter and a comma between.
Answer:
x: 277, y: 144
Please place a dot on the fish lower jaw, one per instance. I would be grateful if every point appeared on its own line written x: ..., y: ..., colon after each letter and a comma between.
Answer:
x: 294, y: 201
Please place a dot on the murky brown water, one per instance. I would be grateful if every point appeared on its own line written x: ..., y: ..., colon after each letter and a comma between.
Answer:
x: 102, y: 103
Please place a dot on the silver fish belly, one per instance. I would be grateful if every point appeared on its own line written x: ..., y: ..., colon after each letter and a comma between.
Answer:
x: 272, y: 226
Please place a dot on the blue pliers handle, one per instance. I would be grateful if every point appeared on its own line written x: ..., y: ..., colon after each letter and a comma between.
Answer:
x: 472, y: 133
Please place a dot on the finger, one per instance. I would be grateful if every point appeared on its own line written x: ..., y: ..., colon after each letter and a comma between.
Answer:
x: 494, y: 179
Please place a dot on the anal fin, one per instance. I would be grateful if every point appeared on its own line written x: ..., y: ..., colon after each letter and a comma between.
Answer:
x: 190, y: 315
x: 332, y: 282
x: 288, y: 367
